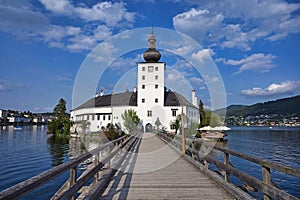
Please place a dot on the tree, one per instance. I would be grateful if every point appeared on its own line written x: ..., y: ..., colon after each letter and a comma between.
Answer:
x: 202, y: 114
x: 176, y: 124
x: 212, y: 119
x: 61, y: 122
x: 131, y: 120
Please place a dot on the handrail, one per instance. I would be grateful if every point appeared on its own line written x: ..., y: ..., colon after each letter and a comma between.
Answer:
x: 279, y: 167
x: 28, y: 185
x: 266, y: 185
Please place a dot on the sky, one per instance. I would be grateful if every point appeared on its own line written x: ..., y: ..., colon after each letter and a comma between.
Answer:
x: 254, y: 45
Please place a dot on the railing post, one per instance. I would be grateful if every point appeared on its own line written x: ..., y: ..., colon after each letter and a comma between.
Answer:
x: 206, y: 164
x: 226, y: 162
x: 266, y: 174
x: 96, y: 162
x: 193, y: 148
x: 73, y: 173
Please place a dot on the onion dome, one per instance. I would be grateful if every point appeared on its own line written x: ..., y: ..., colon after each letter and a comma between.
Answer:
x: 152, y: 55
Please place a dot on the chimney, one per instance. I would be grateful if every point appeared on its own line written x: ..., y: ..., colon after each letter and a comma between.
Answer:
x: 97, y: 94
x: 196, y: 101
x: 193, y: 97
x: 102, y: 93
x: 134, y: 89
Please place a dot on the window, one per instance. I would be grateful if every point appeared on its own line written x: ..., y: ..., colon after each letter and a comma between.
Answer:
x: 156, y: 68
x: 149, y: 113
x: 143, y: 69
x: 156, y: 77
x: 93, y: 117
x: 108, y: 117
x: 88, y: 117
x: 103, y: 117
x: 150, y: 68
x: 156, y: 86
x: 174, y: 113
x: 143, y: 86
x: 98, y: 117
x: 143, y: 100
x: 156, y: 100
x: 143, y: 77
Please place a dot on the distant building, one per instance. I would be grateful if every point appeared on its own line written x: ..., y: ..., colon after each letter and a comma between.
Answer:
x: 3, y: 113
x: 156, y: 106
x: 18, y: 119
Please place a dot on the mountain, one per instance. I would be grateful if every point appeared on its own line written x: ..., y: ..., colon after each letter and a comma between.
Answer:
x: 285, y: 107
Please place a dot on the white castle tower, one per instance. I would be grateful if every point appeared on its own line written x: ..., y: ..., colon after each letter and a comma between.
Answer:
x: 151, y: 86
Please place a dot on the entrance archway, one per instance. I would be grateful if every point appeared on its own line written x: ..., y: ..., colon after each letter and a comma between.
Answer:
x: 148, y: 127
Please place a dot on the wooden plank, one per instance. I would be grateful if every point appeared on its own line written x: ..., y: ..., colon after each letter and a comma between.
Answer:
x: 177, y: 180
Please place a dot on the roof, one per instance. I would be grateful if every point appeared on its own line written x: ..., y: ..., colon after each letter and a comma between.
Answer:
x: 176, y: 99
x: 130, y: 99
x: 120, y: 99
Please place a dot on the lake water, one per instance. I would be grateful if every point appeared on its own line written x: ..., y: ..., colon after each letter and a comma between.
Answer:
x: 30, y: 151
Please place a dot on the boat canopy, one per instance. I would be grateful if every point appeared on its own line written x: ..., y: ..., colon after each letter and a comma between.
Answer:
x: 217, y: 128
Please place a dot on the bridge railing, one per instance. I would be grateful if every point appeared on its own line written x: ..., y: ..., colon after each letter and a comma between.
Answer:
x: 72, y: 186
x: 266, y: 185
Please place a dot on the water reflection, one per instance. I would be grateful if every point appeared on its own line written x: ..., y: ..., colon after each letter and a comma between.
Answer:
x: 58, y: 147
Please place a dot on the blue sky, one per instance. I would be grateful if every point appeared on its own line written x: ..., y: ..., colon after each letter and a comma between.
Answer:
x: 254, y: 44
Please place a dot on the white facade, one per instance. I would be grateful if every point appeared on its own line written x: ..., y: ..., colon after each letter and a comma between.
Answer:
x: 152, y: 102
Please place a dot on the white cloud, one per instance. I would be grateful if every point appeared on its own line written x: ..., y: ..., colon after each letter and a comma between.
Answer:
x: 112, y: 14
x: 198, y: 23
x: 23, y: 20
x: 275, y: 89
x: 202, y: 55
x: 238, y: 24
x: 255, y: 62
x: 2, y: 87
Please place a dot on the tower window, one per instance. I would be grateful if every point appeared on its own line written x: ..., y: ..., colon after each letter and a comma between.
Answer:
x: 143, y: 69
x: 143, y: 100
x: 156, y: 77
x: 156, y: 100
x: 103, y: 117
x: 143, y: 86
x: 98, y: 117
x: 93, y: 117
x: 156, y: 68
x: 149, y: 113
x: 108, y: 117
x: 150, y: 68
x: 143, y: 77
x: 156, y: 86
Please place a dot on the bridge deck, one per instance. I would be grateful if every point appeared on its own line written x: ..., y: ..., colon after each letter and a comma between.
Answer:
x: 153, y: 170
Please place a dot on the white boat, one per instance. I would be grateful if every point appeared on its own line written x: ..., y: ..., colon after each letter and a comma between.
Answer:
x: 74, y: 135
x: 214, y: 133
x: 18, y: 128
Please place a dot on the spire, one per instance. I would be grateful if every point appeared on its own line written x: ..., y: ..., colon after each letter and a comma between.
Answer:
x: 152, y: 40
x: 152, y: 55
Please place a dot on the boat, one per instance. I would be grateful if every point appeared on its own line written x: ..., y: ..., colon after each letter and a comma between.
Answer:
x: 18, y: 128
x: 213, y: 133
x: 74, y: 135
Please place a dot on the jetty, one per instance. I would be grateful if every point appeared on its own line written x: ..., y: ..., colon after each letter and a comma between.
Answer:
x: 153, y: 166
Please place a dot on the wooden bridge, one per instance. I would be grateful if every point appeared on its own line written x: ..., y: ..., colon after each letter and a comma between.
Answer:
x: 151, y: 166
